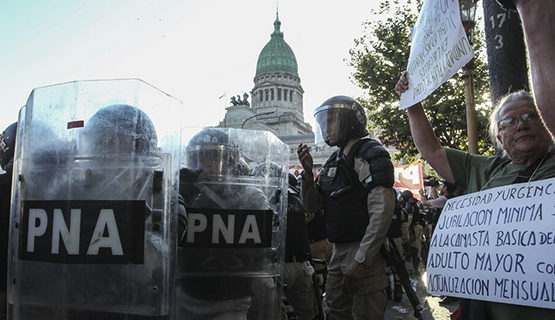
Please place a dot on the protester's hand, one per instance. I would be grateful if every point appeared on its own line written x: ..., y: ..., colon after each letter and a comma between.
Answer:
x: 305, y: 158
x: 422, y: 194
x: 355, y: 271
x: 403, y: 84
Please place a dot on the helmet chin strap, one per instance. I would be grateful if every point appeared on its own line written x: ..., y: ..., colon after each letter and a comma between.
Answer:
x: 342, y: 142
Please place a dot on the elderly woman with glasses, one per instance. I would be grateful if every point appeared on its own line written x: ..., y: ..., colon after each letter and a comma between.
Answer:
x: 515, y: 127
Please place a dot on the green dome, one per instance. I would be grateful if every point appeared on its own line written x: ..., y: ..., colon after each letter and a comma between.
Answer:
x: 277, y: 55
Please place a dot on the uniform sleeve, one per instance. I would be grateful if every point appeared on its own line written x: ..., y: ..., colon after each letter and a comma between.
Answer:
x: 311, y: 197
x: 381, y: 205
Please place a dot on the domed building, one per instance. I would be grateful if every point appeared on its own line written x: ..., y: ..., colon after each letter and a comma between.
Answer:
x: 276, y: 100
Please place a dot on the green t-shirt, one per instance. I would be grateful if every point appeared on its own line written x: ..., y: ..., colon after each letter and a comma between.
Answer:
x: 475, y: 173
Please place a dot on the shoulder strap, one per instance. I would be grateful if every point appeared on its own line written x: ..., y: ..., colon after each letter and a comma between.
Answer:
x: 526, y: 174
x: 368, y: 143
x: 349, y: 161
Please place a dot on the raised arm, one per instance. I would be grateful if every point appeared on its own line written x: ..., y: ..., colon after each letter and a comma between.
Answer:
x: 538, y: 22
x: 423, y: 135
x: 312, y: 199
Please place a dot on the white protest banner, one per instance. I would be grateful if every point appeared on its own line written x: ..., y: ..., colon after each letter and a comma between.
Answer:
x: 497, y: 245
x: 439, y: 48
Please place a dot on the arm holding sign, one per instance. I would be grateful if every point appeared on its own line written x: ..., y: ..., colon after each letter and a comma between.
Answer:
x: 423, y: 135
x: 518, y: 130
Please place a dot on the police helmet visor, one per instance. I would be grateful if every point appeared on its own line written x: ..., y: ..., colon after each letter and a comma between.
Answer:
x: 212, y: 160
x: 330, y: 126
x: 116, y: 144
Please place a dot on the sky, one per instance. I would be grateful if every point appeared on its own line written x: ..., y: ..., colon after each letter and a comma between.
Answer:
x: 194, y: 50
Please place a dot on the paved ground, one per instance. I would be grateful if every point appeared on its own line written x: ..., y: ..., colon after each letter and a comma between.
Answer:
x: 432, y: 310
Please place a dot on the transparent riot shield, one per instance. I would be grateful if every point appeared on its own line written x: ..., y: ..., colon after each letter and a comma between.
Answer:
x: 230, y: 257
x: 94, y: 211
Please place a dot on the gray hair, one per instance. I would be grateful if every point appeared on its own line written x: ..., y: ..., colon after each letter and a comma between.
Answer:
x: 494, y: 116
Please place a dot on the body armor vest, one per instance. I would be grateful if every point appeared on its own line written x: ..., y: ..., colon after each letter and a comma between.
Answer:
x: 346, y: 216
x: 345, y: 197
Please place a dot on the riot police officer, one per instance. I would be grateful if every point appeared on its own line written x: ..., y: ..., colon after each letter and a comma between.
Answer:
x: 415, y: 219
x: 355, y: 189
x: 298, y: 270
x: 7, y: 147
x: 93, y: 235
x: 225, y: 257
x: 398, y: 233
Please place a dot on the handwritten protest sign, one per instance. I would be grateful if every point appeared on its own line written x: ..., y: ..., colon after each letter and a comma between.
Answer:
x: 439, y: 48
x: 497, y: 245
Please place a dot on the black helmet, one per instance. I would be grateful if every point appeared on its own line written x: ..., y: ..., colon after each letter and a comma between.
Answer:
x: 407, y: 195
x: 213, y: 151
x: 7, y: 144
x: 338, y: 120
x: 293, y: 182
x: 120, y: 128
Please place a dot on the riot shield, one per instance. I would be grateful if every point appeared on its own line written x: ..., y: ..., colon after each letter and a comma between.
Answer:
x: 231, y: 256
x: 94, y: 211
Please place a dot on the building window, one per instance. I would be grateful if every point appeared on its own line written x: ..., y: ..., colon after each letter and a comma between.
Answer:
x: 272, y: 94
x: 285, y: 94
x: 279, y: 94
x: 291, y: 95
x: 261, y: 93
x: 266, y: 94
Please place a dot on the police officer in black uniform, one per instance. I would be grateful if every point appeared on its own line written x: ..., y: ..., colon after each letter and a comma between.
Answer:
x: 88, y: 175
x: 7, y: 146
x: 398, y: 232
x: 298, y: 270
x: 415, y: 229
x: 220, y: 280
x: 355, y: 189
x: 320, y: 246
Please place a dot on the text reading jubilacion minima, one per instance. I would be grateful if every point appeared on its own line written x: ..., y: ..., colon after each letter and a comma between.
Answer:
x: 496, y: 245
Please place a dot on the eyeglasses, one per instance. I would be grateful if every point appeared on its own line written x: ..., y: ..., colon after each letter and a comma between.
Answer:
x: 511, y: 122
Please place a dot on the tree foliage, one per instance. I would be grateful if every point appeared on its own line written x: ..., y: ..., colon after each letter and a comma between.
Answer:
x: 379, y: 57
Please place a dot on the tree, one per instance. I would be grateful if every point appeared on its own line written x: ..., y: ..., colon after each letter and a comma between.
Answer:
x: 379, y: 57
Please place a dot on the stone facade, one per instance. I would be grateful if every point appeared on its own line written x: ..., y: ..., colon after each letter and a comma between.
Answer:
x: 276, y: 101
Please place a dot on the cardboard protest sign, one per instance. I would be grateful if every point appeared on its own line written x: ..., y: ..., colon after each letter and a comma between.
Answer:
x: 439, y: 48
x: 497, y: 245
